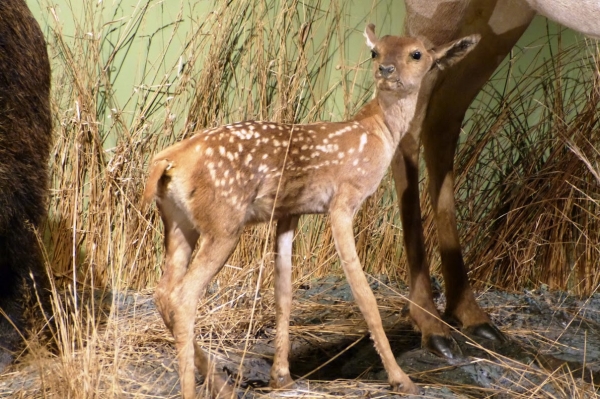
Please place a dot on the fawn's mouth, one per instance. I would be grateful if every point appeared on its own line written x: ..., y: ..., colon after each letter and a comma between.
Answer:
x: 389, y: 84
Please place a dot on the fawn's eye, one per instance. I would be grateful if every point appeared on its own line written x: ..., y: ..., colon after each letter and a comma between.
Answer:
x: 416, y: 55
x: 374, y: 54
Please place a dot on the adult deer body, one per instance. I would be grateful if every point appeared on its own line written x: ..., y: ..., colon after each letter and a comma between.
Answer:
x: 444, y: 99
x: 208, y: 187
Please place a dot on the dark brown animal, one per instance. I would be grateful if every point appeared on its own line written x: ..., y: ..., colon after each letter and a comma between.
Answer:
x: 25, y: 132
x: 208, y: 187
x: 443, y: 101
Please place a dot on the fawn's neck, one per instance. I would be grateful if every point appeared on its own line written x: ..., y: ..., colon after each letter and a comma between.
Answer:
x: 389, y: 115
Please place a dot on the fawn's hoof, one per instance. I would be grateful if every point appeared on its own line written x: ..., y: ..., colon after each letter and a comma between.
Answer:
x: 220, y: 389
x: 487, y: 331
x: 443, y: 346
x: 282, y: 382
x: 407, y: 387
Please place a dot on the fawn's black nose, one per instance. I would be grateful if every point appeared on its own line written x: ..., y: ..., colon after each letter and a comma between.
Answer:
x: 386, y: 70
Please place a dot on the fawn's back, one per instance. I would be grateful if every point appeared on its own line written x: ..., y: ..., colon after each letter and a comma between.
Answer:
x: 250, y: 164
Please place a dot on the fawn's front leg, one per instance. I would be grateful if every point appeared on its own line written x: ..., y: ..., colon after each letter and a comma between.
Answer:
x: 341, y: 226
x: 280, y: 371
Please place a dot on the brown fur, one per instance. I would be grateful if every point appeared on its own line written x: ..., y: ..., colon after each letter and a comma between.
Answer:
x: 208, y: 187
x: 25, y: 132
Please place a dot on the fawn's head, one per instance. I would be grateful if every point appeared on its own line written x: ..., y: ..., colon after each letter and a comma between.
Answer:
x: 400, y: 63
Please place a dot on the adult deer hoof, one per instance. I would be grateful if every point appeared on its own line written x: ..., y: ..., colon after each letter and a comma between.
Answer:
x: 445, y: 347
x: 487, y: 331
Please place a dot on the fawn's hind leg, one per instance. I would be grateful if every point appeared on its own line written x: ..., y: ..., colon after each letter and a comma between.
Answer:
x: 212, y: 254
x: 180, y: 240
x: 177, y: 298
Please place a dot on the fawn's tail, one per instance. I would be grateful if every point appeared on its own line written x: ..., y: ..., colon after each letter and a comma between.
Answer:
x: 157, y: 170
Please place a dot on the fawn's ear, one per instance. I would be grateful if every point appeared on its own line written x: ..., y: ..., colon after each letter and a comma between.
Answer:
x: 449, y: 54
x: 370, y: 35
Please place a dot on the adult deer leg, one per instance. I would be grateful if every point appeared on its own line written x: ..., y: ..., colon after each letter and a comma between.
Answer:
x: 460, y: 300
x: 440, y: 132
x: 443, y: 102
x: 405, y: 168
x: 342, y: 213
x: 280, y: 371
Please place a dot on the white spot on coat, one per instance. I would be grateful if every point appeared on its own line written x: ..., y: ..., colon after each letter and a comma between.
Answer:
x: 363, y: 142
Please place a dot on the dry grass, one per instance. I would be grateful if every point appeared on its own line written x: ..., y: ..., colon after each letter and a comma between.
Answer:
x: 96, y: 231
x: 126, y: 353
x: 528, y: 201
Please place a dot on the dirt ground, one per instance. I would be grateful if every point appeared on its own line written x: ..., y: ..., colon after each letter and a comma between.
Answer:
x: 554, y: 350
